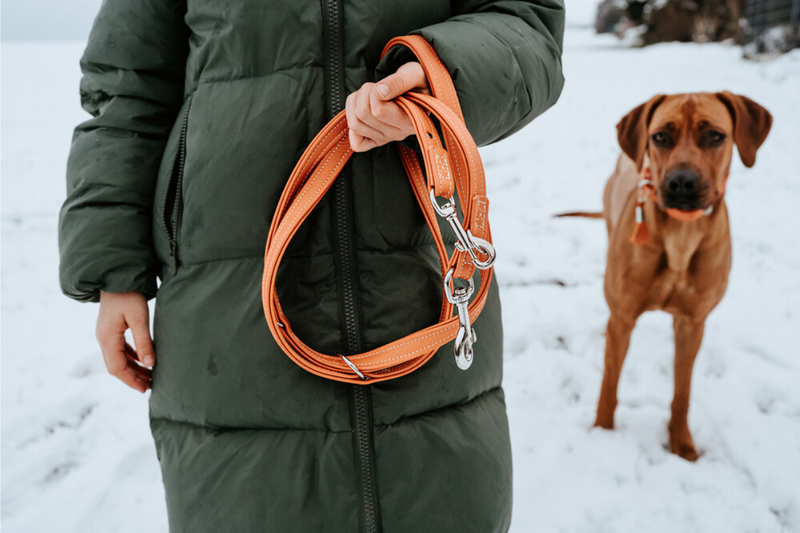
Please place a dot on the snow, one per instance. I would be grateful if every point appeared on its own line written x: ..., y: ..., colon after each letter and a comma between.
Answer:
x: 581, y: 13
x: 77, y: 455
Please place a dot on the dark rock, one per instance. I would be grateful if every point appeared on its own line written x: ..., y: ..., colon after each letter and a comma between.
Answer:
x: 656, y: 21
x: 609, y: 15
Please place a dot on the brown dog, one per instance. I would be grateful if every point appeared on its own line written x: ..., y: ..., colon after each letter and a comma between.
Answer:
x: 683, y: 144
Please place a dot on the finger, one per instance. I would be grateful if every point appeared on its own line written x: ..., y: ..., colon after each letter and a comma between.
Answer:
x: 350, y: 114
x: 360, y: 114
x: 119, y: 366
x: 394, y: 122
x: 359, y: 143
x: 141, y: 372
x: 130, y: 378
x: 133, y: 363
x: 368, y: 108
x: 139, y: 323
x: 408, y: 76
x: 126, y: 369
x: 130, y: 353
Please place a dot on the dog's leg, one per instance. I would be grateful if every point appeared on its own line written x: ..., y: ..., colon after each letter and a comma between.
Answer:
x: 688, y: 336
x: 618, y: 337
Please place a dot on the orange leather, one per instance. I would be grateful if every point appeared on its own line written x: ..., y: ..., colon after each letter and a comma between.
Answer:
x: 454, y: 167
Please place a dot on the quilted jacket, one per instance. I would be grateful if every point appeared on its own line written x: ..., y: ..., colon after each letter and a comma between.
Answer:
x: 200, y: 109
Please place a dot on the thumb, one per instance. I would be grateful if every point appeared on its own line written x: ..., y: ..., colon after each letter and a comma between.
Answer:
x: 139, y: 323
x: 408, y: 76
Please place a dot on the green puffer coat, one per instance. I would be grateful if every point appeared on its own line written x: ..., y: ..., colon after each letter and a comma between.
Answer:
x: 200, y: 112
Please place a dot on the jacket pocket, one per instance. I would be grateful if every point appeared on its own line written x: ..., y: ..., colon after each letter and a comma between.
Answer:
x: 173, y: 200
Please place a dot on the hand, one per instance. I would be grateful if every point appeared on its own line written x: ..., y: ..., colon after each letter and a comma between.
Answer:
x: 118, y: 312
x: 373, y: 119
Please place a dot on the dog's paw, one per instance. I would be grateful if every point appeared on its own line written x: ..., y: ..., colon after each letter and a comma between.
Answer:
x: 605, y: 422
x: 688, y: 453
x: 682, y: 446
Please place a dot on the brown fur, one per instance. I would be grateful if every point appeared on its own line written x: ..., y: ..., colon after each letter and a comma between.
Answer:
x: 684, y: 267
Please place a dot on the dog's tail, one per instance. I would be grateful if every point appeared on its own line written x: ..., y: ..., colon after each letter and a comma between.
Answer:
x: 583, y: 214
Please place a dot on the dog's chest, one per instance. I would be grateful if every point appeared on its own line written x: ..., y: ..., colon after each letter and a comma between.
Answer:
x: 673, y: 291
x: 686, y: 282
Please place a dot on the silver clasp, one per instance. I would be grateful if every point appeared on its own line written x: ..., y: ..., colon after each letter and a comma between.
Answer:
x: 467, y: 242
x: 482, y: 246
x: 446, y: 210
x: 466, y: 336
x: 353, y: 367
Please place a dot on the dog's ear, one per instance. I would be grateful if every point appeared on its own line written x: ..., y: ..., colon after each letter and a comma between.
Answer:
x: 632, y: 129
x: 751, y: 124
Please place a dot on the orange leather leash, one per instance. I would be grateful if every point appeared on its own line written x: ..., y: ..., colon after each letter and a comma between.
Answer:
x: 646, y: 191
x: 454, y: 167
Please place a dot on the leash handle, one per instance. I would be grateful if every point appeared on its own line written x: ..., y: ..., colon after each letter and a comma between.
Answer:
x: 452, y: 168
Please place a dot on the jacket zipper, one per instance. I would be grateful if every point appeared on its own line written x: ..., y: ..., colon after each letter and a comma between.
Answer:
x: 174, y: 193
x: 359, y: 395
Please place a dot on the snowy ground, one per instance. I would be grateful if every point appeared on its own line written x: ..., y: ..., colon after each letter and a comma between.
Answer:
x: 745, y: 409
x: 77, y: 454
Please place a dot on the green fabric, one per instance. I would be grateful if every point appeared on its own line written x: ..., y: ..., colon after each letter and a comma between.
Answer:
x: 247, y: 440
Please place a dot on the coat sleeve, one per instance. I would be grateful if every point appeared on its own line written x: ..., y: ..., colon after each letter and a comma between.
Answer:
x: 505, y: 60
x: 132, y: 84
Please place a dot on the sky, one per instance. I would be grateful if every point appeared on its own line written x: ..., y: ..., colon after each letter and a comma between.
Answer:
x: 48, y: 20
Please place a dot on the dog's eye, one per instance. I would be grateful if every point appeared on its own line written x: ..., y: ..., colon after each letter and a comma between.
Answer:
x: 714, y: 138
x: 661, y: 138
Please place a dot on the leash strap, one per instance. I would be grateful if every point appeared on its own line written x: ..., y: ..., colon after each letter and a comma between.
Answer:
x: 454, y: 168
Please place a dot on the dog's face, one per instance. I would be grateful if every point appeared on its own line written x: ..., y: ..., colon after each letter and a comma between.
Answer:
x: 687, y: 141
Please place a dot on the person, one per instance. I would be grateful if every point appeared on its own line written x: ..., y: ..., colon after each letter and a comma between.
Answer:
x: 200, y: 110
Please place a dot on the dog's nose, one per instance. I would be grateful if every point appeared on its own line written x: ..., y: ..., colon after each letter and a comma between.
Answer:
x: 683, y: 181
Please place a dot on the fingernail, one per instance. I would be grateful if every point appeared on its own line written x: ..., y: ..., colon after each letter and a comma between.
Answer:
x: 383, y: 90
x: 149, y: 360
